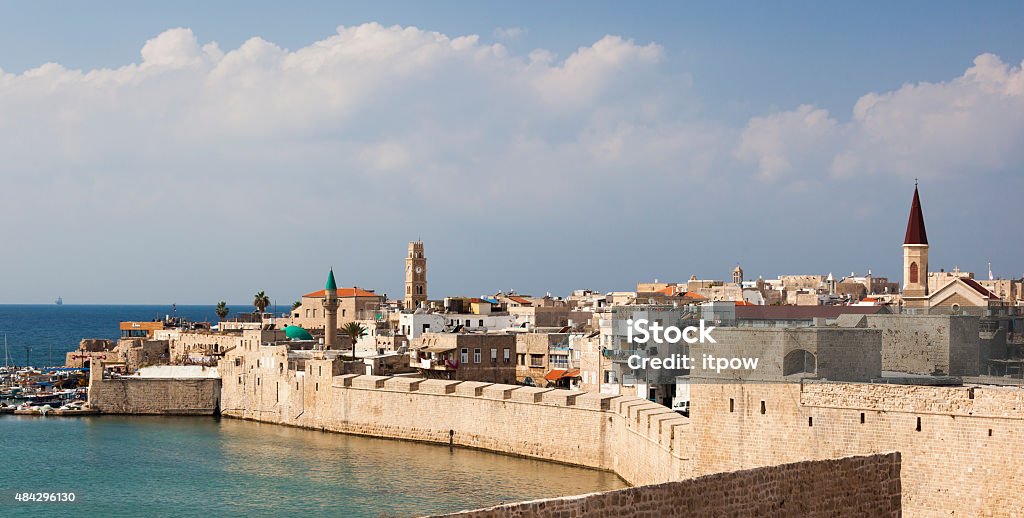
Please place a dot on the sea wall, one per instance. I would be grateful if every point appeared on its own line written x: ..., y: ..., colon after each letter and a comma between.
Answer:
x: 154, y: 395
x: 639, y: 440
x: 959, y: 445
x: 851, y: 486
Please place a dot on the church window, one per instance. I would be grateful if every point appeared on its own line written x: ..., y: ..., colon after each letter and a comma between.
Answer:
x: 913, y: 273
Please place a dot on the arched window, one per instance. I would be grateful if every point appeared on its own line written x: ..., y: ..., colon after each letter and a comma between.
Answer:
x: 913, y: 273
x: 798, y: 361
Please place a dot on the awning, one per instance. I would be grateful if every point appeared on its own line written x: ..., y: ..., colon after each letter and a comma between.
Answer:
x: 436, y: 348
x: 557, y: 374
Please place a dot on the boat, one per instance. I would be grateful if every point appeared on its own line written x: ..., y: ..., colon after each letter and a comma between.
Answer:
x: 59, y: 301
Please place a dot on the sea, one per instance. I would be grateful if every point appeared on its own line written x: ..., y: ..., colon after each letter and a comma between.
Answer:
x: 41, y: 334
x: 207, y: 466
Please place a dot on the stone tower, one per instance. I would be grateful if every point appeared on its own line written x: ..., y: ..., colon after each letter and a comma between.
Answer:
x: 737, y: 275
x: 915, y: 257
x: 330, y: 311
x: 415, y: 276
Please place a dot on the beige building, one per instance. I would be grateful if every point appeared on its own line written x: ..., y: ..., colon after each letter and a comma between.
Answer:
x: 546, y: 359
x: 134, y: 353
x: 353, y: 304
x: 465, y: 356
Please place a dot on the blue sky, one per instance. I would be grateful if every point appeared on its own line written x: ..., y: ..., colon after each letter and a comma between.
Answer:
x: 710, y: 133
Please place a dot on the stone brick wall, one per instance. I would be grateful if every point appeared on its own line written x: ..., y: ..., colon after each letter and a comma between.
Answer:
x: 851, y: 486
x: 155, y: 396
x: 927, y: 344
x: 639, y: 440
x: 959, y: 445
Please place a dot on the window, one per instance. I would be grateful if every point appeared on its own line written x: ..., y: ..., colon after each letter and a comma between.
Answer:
x: 521, y: 359
x: 464, y: 356
x: 913, y: 273
x: 506, y: 355
x: 732, y: 405
x: 476, y: 355
x: 763, y: 409
x: 536, y: 360
x: 609, y: 377
x: 559, y: 361
x: 481, y: 323
x: 494, y: 356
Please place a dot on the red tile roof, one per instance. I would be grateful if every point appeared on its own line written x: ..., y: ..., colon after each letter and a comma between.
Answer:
x: 978, y: 288
x: 916, y: 234
x: 520, y: 300
x: 343, y: 292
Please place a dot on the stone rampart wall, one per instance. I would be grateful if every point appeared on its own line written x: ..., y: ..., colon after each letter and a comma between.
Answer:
x: 851, y: 486
x: 155, y: 396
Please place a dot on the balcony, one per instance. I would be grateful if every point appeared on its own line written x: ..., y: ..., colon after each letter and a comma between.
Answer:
x: 435, y: 364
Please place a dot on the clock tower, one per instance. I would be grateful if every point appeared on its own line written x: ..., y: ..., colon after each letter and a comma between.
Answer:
x: 415, y: 276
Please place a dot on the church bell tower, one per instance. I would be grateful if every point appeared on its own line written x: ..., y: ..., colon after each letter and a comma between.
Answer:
x: 415, y: 276
x: 915, y: 257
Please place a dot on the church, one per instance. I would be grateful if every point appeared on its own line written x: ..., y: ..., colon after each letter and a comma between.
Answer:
x: 958, y: 295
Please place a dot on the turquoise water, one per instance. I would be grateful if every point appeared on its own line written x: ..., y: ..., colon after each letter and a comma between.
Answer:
x: 202, y: 466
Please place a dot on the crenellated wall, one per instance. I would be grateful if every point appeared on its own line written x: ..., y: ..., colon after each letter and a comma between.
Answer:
x: 641, y: 441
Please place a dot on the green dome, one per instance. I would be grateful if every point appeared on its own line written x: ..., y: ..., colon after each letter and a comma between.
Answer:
x: 297, y: 333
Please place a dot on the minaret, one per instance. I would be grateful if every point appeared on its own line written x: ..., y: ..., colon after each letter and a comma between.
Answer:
x: 330, y: 311
x: 415, y: 276
x: 915, y: 257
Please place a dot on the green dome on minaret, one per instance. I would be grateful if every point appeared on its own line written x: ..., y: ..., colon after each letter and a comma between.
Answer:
x: 331, y: 285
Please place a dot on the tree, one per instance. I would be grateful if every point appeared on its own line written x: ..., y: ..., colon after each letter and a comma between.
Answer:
x: 222, y: 310
x: 261, y: 301
x: 296, y: 304
x: 355, y: 331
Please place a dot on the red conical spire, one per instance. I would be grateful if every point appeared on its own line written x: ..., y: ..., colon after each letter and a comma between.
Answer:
x: 916, y: 234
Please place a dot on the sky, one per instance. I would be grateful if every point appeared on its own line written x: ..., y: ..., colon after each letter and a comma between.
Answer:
x: 203, y: 151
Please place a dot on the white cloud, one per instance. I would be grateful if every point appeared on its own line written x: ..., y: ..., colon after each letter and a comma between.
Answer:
x: 509, y: 33
x: 972, y: 124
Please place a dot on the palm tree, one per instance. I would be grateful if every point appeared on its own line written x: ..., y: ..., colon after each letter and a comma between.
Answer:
x: 296, y: 304
x: 222, y: 310
x: 355, y: 331
x: 261, y: 301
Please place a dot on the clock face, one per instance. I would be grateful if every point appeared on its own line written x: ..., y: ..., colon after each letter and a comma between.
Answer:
x: 419, y: 269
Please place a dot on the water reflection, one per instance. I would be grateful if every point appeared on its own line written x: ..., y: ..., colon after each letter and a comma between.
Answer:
x: 200, y: 466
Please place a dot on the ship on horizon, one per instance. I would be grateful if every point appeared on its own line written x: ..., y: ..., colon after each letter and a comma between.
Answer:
x: 59, y: 301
